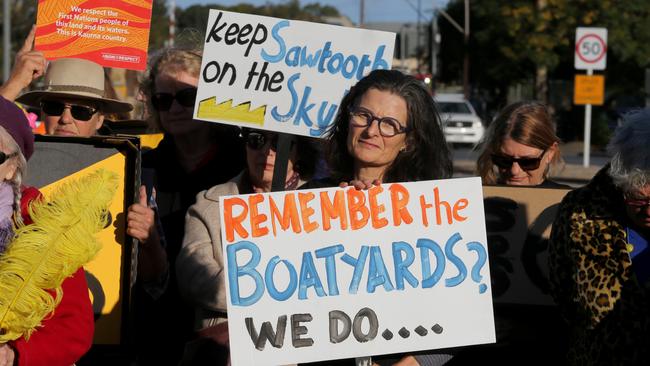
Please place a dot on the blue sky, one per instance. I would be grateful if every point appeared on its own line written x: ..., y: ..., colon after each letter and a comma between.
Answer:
x: 375, y: 10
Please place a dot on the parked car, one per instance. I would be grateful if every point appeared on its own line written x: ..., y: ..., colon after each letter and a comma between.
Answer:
x: 460, y: 122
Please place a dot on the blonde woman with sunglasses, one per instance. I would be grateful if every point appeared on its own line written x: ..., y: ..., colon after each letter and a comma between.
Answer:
x: 192, y: 156
x: 520, y: 147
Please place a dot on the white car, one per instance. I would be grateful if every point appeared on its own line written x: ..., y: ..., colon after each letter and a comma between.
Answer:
x: 460, y: 122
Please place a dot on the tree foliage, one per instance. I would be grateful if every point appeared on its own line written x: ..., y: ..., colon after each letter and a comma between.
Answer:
x: 159, y: 24
x: 510, y: 39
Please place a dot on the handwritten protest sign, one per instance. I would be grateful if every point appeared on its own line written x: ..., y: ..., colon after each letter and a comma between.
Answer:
x: 283, y: 75
x: 519, y: 221
x: 111, y: 33
x: 336, y: 273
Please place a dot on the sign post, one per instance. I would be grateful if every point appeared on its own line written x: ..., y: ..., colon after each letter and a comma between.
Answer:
x: 590, y: 55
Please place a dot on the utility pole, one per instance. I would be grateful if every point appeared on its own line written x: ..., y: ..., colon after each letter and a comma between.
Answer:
x: 361, y: 13
x: 418, y: 47
x: 465, y: 32
x: 435, y: 44
x: 6, y: 38
x: 541, y: 72
x: 466, y: 61
x: 172, y: 23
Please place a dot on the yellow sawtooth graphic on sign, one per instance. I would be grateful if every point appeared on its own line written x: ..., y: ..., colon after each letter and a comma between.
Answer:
x: 210, y: 109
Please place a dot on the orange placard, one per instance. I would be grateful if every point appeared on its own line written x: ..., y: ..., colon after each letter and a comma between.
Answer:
x: 589, y: 89
x: 113, y: 33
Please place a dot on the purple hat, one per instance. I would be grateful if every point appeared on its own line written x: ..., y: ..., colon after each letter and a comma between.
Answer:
x: 14, y: 121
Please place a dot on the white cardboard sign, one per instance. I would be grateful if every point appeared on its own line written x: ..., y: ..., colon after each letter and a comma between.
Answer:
x: 336, y: 273
x: 283, y: 75
x: 591, y: 48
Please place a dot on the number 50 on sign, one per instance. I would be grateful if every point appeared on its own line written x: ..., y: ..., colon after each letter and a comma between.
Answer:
x: 591, y: 48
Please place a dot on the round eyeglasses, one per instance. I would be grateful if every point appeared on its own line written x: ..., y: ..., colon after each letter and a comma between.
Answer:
x: 388, y: 126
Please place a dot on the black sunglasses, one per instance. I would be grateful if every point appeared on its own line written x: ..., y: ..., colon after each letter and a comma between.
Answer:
x: 505, y: 161
x: 258, y: 141
x: 79, y: 112
x: 4, y: 157
x: 163, y: 101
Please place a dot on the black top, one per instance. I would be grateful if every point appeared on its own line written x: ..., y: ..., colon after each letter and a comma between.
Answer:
x: 165, y: 324
x: 547, y: 183
x: 552, y: 184
x: 327, y: 182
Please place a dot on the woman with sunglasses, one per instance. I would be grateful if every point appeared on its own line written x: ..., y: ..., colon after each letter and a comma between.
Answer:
x: 519, y: 147
x: 599, y: 256
x: 387, y: 130
x: 200, y: 262
x: 193, y: 156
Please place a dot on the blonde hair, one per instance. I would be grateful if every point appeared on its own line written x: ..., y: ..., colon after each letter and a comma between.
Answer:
x: 528, y: 123
x: 9, y: 146
x: 186, y: 57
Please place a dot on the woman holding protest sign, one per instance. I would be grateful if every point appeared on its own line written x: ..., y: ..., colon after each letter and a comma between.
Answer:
x: 405, y: 145
x: 598, y: 255
x: 193, y: 156
x: 200, y: 261
x: 520, y: 147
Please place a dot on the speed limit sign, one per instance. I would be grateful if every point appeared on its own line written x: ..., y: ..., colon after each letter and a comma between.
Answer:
x: 591, y: 48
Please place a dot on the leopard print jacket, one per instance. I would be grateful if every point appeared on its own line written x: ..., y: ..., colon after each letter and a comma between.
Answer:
x: 592, y: 279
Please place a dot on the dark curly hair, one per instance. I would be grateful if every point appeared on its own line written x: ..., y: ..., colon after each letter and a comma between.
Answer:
x: 426, y: 156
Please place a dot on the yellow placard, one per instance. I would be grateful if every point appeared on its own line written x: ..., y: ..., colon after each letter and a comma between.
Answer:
x: 150, y: 141
x: 103, y: 272
x: 589, y: 89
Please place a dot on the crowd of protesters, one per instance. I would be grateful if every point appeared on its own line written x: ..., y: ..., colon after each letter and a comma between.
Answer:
x: 387, y: 130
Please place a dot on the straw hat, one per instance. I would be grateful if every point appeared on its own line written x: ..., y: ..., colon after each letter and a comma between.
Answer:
x: 74, y: 78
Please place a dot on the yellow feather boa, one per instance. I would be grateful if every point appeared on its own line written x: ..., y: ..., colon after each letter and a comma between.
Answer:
x: 43, y: 254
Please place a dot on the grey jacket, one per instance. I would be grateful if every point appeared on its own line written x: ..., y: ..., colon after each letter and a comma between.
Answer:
x: 199, y: 265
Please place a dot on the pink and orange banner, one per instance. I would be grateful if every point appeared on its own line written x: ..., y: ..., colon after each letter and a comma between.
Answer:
x: 113, y: 33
